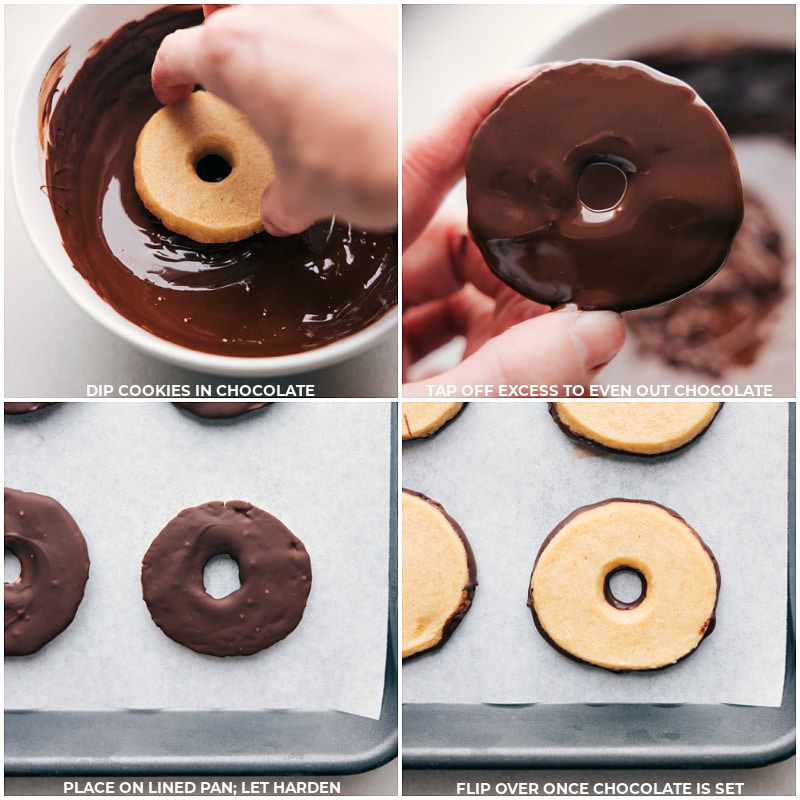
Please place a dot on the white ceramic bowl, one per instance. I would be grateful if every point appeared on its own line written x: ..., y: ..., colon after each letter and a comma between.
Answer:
x: 79, y: 31
x: 623, y: 29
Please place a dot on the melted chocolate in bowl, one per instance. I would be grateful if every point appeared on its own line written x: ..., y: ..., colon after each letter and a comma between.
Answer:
x: 264, y: 296
x: 726, y: 323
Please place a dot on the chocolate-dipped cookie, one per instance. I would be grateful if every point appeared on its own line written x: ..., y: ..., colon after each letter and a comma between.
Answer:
x: 215, y: 410
x: 439, y: 574
x: 605, y: 184
x: 643, y: 428
x: 274, y: 571
x: 421, y: 419
x: 572, y: 597
x: 54, y: 568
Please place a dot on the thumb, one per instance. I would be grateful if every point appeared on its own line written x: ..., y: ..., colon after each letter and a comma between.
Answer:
x: 556, y: 349
x: 280, y: 213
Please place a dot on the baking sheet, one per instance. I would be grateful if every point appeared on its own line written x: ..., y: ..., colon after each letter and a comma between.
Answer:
x: 509, y: 475
x: 125, y: 469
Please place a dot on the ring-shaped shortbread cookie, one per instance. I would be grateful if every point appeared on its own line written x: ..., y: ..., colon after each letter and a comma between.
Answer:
x: 422, y: 419
x: 201, y: 168
x: 54, y: 568
x: 439, y: 574
x: 570, y: 596
x: 642, y: 428
x: 274, y: 572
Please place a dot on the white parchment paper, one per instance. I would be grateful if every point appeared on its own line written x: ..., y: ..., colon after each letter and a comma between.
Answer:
x: 508, y: 475
x: 123, y: 470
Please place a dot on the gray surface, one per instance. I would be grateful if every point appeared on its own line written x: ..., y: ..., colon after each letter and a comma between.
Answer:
x: 775, y: 780
x: 382, y: 781
x: 53, y: 349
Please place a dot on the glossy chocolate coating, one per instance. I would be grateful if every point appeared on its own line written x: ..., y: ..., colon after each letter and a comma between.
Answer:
x: 264, y: 296
x: 54, y: 564
x: 674, y: 224
x: 274, y: 571
x: 472, y: 576
x: 212, y: 410
x: 24, y: 408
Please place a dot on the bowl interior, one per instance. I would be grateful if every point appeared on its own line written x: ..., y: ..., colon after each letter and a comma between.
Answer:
x: 77, y: 35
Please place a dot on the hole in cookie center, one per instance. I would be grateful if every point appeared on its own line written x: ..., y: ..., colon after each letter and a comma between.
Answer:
x: 221, y: 576
x: 213, y: 168
x: 12, y: 568
x: 601, y: 185
x: 625, y: 587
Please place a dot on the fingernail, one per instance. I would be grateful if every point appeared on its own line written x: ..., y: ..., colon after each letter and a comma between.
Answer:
x: 598, y: 336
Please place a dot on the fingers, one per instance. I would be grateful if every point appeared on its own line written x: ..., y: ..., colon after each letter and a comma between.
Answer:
x: 327, y: 109
x: 431, y: 325
x: 433, y: 161
x: 280, y: 212
x: 443, y: 259
x: 218, y: 55
x: 556, y: 349
x: 174, y: 72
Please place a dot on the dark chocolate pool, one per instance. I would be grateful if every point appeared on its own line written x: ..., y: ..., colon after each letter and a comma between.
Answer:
x: 264, y: 296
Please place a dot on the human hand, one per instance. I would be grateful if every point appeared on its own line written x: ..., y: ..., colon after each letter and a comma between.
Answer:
x: 319, y: 83
x: 449, y: 291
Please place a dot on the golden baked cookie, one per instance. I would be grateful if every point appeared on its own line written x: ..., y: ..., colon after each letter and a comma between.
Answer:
x: 424, y: 419
x: 201, y: 168
x: 636, y: 427
x: 439, y: 574
x: 573, y: 603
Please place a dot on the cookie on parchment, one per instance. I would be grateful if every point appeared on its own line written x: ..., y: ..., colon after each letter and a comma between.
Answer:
x: 643, y: 428
x: 439, y: 574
